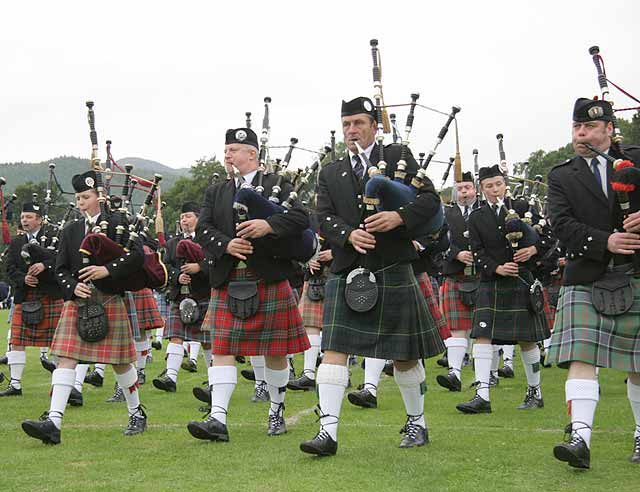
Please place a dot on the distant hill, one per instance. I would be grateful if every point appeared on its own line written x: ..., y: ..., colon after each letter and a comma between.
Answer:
x: 17, y: 173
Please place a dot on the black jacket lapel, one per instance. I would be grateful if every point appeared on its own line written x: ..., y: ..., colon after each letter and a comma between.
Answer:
x: 584, y: 175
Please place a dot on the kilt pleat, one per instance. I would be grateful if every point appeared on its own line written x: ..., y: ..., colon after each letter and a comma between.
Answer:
x: 311, y: 310
x: 39, y: 335
x: 276, y: 329
x: 427, y: 285
x: 582, y: 334
x: 457, y: 315
x: 149, y: 316
x: 549, y: 311
x: 502, y: 313
x: 195, y: 332
x: 116, y: 348
x: 132, y: 313
x: 163, y: 304
x: 399, y: 327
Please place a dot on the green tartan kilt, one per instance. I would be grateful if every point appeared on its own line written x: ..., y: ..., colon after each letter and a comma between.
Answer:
x: 399, y: 327
x: 502, y: 313
x: 582, y: 334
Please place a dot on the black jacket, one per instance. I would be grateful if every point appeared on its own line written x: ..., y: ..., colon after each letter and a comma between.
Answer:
x: 583, y: 218
x: 457, y: 242
x: 17, y: 270
x: 199, y: 285
x: 216, y: 228
x: 340, y: 211
x: 69, y: 262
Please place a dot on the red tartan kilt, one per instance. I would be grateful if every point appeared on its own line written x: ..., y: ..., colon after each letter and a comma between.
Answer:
x: 432, y: 302
x: 311, y: 310
x: 549, y: 312
x: 275, y: 330
x: 457, y: 315
x: 149, y: 317
x: 41, y: 334
x: 116, y: 348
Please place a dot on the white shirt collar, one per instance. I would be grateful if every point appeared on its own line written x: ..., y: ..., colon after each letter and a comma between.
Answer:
x: 248, y: 178
x: 33, y: 234
x: 461, y: 207
x: 367, y: 152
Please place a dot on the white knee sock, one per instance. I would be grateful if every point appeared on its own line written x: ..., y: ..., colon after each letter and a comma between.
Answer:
x: 175, y: 354
x: 208, y: 356
x: 142, y: 349
x: 507, y: 355
x: 311, y: 356
x: 257, y: 362
x: 194, y: 350
x: 495, y: 361
x: 372, y: 372
x: 412, y: 390
x: 277, y: 380
x: 546, y: 343
x: 223, y: 380
x: 531, y: 363
x: 159, y: 332
x: 633, y: 392
x: 44, y: 351
x: 128, y: 381
x: 81, y: 372
x: 99, y: 368
x: 582, y: 395
x: 16, y: 360
x: 62, y: 381
x: 456, y: 348
x: 331, y: 381
x: 482, y: 358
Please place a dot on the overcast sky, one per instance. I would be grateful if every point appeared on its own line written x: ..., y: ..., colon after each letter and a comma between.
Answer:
x: 168, y: 78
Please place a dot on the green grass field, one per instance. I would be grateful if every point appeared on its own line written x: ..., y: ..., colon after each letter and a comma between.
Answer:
x: 507, y: 450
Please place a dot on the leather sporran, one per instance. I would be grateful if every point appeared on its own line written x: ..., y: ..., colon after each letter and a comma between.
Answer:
x: 468, y: 291
x: 315, y: 288
x: 536, y: 297
x: 361, y: 291
x: 93, y: 325
x: 612, y: 295
x: 242, y: 298
x: 32, y: 313
x: 189, y: 311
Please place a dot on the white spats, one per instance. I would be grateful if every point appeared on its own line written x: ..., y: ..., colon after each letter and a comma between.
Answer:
x: 16, y: 360
x: 175, y: 353
x: 62, y: 381
x: 412, y: 390
x: 128, y: 381
x: 456, y: 349
x: 81, y: 372
x: 583, y: 396
x: 223, y: 380
x: 633, y: 392
x: 311, y: 356
x: 483, y: 358
x: 372, y: 371
x: 277, y: 380
x: 331, y: 381
x: 531, y: 364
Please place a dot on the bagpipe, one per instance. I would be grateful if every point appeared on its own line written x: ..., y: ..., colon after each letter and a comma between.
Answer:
x: 116, y: 234
x: 249, y: 202
x: 381, y: 193
x: 188, y: 251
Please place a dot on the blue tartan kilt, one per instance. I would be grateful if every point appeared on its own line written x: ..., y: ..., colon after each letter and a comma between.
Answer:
x: 399, y: 327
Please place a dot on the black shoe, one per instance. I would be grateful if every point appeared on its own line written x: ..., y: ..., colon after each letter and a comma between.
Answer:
x: 388, y: 368
x: 118, y: 395
x: 142, y: 377
x: 449, y: 381
x: 363, y: 398
x: 94, y: 379
x: 303, y: 383
x: 75, y: 398
x: 321, y: 445
x: 321, y: 356
x: 202, y: 394
x: 476, y: 405
x: 11, y: 391
x: 261, y: 393
x: 156, y: 344
x: 43, y: 429
x: 165, y: 383
x: 189, y: 365
x: 506, y: 372
x: 466, y: 361
x: 241, y: 359
x: 531, y: 399
x: 137, y: 422
x: 4, y: 360
x: 414, y: 435
x: 493, y: 380
x: 248, y: 374
x: 352, y: 361
x: 47, y: 364
x: 443, y: 361
x: 277, y: 425
x: 635, y: 457
x: 210, y: 429
x: 575, y: 452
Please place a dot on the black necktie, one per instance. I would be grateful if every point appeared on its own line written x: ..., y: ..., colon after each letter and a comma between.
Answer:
x: 358, y: 168
x: 596, y: 171
x: 466, y: 213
